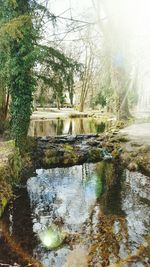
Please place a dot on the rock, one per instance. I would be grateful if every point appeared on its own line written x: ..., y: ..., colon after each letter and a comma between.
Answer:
x: 95, y: 154
x: 115, y: 153
x: 132, y: 166
x: 93, y: 142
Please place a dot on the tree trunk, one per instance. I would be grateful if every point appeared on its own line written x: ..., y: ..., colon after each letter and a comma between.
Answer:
x: 81, y: 108
x: 4, y: 106
x: 121, y: 84
x: 58, y: 103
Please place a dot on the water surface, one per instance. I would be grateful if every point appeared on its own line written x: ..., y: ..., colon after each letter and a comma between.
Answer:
x: 101, y: 210
x: 68, y: 126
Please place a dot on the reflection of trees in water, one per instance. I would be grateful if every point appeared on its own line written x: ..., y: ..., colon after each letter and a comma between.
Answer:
x: 67, y: 126
x: 111, y: 178
x: 70, y: 127
x: 123, y: 218
x: 93, y: 126
x: 35, y: 131
x: 100, y: 128
x: 41, y: 127
x: 81, y: 126
x: 60, y: 127
x: 17, y: 232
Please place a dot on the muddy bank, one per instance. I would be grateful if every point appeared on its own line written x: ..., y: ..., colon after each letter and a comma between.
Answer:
x: 10, y: 166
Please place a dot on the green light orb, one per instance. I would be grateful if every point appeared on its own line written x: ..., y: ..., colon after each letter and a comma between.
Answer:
x: 52, y: 237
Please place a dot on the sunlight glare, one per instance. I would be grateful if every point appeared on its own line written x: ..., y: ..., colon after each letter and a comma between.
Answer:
x: 130, y: 15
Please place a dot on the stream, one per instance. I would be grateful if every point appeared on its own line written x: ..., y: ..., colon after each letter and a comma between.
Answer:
x: 70, y: 126
x: 87, y: 215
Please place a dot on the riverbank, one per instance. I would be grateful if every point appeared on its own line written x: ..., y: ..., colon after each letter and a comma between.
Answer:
x: 10, y: 167
x: 54, y: 113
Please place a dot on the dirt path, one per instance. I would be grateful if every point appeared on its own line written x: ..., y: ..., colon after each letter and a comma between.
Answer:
x: 138, y: 132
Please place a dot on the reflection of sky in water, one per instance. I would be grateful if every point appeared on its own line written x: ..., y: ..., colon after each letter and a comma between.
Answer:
x: 67, y: 193
x: 71, y: 194
x: 64, y: 193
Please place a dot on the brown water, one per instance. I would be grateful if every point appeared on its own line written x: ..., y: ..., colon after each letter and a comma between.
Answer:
x: 68, y: 126
x: 97, y: 215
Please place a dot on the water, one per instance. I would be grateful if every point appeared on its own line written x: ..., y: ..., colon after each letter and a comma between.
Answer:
x: 68, y: 126
x: 95, y: 214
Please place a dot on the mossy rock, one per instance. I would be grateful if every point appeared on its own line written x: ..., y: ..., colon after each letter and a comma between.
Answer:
x: 70, y: 158
x: 51, y: 152
x: 68, y: 148
x: 10, y: 167
x: 10, y: 161
x: 144, y: 149
x: 5, y: 194
x: 132, y: 166
x: 144, y: 164
x: 3, y: 204
x: 95, y: 154
x: 48, y: 161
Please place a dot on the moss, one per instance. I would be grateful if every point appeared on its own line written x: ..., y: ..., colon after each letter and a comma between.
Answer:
x: 10, y: 167
x: 143, y: 163
x: 48, y: 161
x: 145, y: 149
x: 70, y: 158
x: 118, y: 139
x: 30, y: 144
x: 123, y: 139
x: 121, y: 124
x: 3, y: 205
x: 115, y: 153
x: 51, y: 152
x: 68, y: 148
x: 136, y: 144
x: 95, y: 154
x: 5, y: 194
x: 132, y: 166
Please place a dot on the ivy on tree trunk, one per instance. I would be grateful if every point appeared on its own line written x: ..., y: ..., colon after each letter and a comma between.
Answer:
x: 20, y: 82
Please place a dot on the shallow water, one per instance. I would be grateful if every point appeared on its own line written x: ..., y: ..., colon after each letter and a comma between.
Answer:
x: 68, y: 126
x: 99, y: 211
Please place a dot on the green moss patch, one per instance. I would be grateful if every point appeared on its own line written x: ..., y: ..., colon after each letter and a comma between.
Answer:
x: 10, y: 166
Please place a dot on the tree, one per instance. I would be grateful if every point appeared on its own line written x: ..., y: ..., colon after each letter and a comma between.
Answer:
x: 19, y: 35
x: 57, y: 71
x: 116, y: 54
x: 86, y: 80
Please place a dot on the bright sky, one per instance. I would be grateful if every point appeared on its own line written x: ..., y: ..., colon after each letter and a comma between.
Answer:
x: 78, y: 6
x: 131, y: 17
